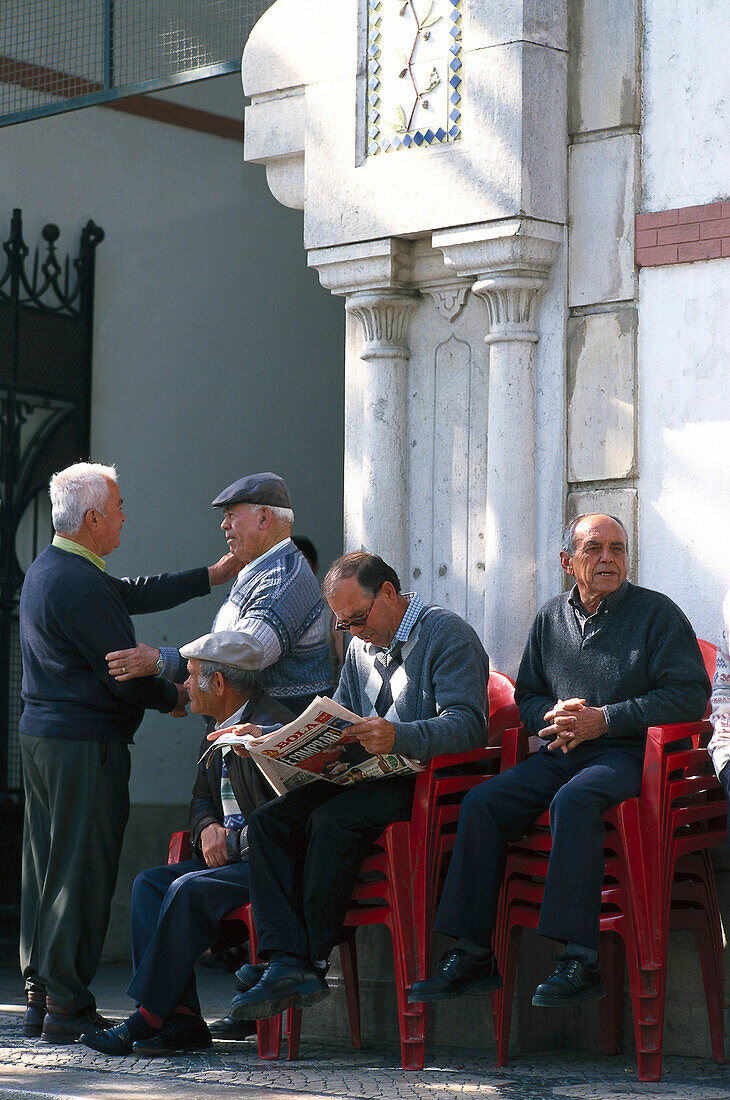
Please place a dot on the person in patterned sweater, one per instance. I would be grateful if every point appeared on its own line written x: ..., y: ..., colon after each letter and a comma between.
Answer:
x: 275, y: 598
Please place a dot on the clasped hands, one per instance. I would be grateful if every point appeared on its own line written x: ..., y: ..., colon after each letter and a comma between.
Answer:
x: 376, y: 735
x: 572, y: 722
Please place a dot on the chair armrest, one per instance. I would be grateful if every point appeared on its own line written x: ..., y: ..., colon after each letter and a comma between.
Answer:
x: 180, y: 848
x: 514, y: 747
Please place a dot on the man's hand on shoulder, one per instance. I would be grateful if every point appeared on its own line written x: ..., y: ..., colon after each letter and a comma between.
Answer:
x: 213, y: 845
x: 128, y: 664
x: 374, y: 734
x: 225, y: 569
x: 572, y: 722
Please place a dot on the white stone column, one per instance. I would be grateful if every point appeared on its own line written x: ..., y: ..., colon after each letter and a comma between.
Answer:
x: 510, y: 596
x: 385, y: 318
x: 512, y: 261
x: 375, y: 278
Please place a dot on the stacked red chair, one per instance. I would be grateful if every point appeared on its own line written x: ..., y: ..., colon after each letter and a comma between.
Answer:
x: 659, y: 878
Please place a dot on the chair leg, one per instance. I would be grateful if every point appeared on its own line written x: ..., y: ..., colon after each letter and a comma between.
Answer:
x: 294, y: 1031
x: 348, y: 960
x: 269, y: 1036
x: 612, y: 1006
x: 502, y: 1000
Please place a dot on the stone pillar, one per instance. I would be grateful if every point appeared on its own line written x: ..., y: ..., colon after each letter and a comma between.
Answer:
x: 375, y: 280
x: 511, y: 261
x: 510, y: 598
x: 385, y: 319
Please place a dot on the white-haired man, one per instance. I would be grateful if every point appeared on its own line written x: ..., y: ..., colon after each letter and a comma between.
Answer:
x: 275, y: 598
x: 75, y: 731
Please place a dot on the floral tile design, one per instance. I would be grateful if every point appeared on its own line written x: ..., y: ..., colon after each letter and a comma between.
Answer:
x: 414, y: 73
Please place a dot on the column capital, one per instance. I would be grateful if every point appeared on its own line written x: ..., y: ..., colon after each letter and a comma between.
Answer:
x: 511, y: 260
x: 385, y: 317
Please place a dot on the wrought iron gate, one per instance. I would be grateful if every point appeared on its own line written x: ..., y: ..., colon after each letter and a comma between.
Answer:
x: 46, y: 309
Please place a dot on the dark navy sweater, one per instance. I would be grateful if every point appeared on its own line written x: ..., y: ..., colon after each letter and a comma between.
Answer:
x: 638, y: 658
x: 71, y: 615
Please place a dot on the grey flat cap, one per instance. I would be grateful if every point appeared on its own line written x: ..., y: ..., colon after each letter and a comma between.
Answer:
x: 227, y: 647
x: 265, y: 488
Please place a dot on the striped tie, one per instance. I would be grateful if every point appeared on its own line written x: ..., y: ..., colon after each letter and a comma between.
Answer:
x: 386, y: 664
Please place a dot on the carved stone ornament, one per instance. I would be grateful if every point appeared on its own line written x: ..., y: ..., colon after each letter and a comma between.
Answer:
x: 385, y: 319
x: 448, y: 298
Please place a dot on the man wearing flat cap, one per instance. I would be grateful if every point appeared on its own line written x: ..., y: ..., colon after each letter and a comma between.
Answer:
x: 177, y: 909
x: 275, y: 599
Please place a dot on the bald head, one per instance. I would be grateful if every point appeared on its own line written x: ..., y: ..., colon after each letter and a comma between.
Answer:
x: 595, y: 552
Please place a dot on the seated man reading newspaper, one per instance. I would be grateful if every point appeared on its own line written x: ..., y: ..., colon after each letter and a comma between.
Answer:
x: 418, y: 677
x: 177, y: 909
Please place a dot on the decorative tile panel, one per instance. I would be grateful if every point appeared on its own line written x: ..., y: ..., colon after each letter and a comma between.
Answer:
x: 414, y: 73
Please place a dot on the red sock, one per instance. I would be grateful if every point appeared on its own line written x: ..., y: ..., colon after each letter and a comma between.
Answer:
x: 152, y: 1020
x: 183, y: 1010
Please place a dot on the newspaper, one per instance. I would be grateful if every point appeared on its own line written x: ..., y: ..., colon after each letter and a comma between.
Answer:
x: 316, y: 746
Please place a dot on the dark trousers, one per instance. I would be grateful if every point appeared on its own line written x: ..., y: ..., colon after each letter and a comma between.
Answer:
x: 76, y: 810
x: 176, y: 914
x: 578, y: 787
x: 725, y: 780
x: 305, y: 852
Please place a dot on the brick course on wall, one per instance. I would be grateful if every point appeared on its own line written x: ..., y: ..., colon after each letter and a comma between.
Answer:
x: 683, y: 235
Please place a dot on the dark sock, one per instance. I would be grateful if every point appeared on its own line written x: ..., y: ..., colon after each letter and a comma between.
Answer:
x: 588, y: 954
x: 476, y: 951
x: 139, y: 1027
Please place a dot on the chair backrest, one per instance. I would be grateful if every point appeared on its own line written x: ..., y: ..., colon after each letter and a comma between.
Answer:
x: 503, y: 713
x: 709, y: 656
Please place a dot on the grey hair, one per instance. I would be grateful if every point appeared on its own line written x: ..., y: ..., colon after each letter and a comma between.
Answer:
x: 242, y: 679
x: 75, y: 491
x: 568, y: 544
x: 283, y: 517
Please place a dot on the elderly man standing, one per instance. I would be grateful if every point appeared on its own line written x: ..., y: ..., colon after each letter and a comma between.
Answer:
x: 177, y: 909
x: 603, y: 663
x: 418, y: 675
x: 76, y: 728
x: 275, y: 598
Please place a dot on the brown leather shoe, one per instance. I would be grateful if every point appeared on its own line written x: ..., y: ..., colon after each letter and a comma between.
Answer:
x: 67, y: 1027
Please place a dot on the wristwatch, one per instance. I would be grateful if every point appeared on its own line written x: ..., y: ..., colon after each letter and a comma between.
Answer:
x: 160, y: 664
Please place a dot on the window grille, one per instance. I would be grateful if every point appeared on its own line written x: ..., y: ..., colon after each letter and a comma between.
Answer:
x: 57, y: 55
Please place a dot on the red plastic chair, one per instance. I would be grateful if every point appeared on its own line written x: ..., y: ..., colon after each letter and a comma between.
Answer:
x: 652, y: 888
x: 400, y: 881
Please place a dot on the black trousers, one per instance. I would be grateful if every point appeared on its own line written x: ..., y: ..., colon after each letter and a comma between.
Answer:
x: 76, y: 809
x: 176, y: 914
x: 578, y: 787
x: 305, y: 852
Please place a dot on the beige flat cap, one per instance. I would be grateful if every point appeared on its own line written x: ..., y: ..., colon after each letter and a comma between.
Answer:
x: 227, y: 647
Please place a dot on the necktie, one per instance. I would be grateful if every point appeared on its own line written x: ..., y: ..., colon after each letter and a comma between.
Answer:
x: 386, y: 664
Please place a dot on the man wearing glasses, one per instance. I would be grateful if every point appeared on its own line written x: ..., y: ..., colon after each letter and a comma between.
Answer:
x: 418, y: 675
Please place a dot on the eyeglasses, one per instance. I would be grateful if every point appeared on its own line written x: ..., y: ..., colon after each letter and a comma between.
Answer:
x: 359, y: 620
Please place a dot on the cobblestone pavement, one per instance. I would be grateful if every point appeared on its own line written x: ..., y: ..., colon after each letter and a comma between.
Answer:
x: 33, y: 1068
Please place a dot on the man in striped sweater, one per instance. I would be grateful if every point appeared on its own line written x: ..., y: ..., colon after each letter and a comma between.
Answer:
x: 275, y: 599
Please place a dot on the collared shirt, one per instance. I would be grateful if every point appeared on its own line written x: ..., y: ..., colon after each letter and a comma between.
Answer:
x: 72, y: 547
x: 410, y: 618
x: 587, y: 622
x: 232, y: 816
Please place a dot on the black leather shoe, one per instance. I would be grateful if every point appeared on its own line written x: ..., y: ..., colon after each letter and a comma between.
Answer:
x: 572, y: 982
x: 35, y: 1014
x: 180, y: 1033
x: 457, y: 973
x: 110, y: 1040
x: 67, y: 1027
x: 233, y: 1030
x: 282, y: 984
x: 247, y: 976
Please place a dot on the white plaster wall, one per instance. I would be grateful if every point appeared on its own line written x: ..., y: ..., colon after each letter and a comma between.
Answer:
x: 684, y: 520
x: 215, y: 350
x: 686, y: 90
